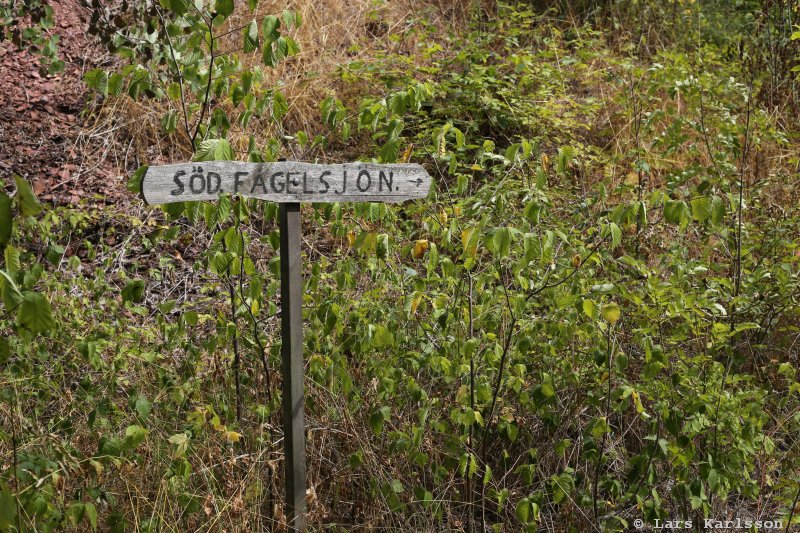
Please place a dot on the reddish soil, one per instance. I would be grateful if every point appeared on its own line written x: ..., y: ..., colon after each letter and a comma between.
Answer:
x: 43, y: 137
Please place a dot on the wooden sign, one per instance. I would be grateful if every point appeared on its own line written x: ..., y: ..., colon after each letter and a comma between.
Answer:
x: 288, y: 182
x: 285, y: 181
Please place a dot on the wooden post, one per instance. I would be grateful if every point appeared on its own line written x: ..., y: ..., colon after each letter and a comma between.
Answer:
x: 292, y: 356
x: 288, y: 183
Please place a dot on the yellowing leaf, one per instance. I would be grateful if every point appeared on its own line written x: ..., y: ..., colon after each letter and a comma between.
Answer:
x: 407, y: 153
x: 469, y: 240
x: 611, y: 313
x: 415, y: 301
x: 232, y: 436
x: 419, y: 248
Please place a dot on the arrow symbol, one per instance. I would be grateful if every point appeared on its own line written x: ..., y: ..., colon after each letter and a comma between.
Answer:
x: 418, y: 181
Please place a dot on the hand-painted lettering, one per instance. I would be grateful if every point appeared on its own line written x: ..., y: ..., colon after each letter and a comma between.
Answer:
x: 323, y: 181
x: 368, y: 181
x: 197, y: 177
x: 344, y: 183
x: 305, y: 184
x: 237, y: 180
x: 382, y: 178
x: 217, y: 183
x: 178, y: 182
x: 259, y: 180
x: 274, y: 184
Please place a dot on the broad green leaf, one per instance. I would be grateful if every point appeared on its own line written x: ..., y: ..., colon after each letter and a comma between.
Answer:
x: 5, y: 219
x: 590, y: 309
x: 133, y: 291
x: 382, y: 337
x: 9, y: 291
x: 97, y: 79
x: 5, y: 351
x: 116, y: 84
x: 178, y: 6
x: 502, y: 242
x: 142, y: 407
x: 214, y: 150
x: 27, y: 202
x: 91, y: 515
x: 135, y: 181
x: 523, y: 510
x: 676, y: 212
x: 269, y: 28
x: 717, y: 210
x: 8, y: 509
x: 12, y: 256
x: 134, y: 436
x: 34, y: 312
x: 548, y: 389
x: 181, y: 442
x: 224, y: 7
x: 170, y: 121
x: 250, y: 37
x: 701, y: 208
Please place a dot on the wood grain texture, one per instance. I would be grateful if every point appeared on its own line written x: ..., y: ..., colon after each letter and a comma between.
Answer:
x: 286, y: 181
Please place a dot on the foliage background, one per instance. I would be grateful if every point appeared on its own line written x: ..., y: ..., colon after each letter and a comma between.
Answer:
x: 593, y: 318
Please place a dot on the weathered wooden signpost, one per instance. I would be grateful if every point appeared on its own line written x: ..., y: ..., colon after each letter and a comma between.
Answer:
x: 289, y: 183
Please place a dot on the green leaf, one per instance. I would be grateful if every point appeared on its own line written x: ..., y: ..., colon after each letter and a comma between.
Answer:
x: 97, y: 79
x: 135, y: 181
x: 179, y: 7
x: 590, y: 309
x: 170, y: 121
x: 214, y: 150
x: 381, y: 337
x: 289, y: 18
x: 377, y: 418
x: 133, y: 291
x: 116, y: 84
x: 701, y: 209
x: 5, y: 351
x: 548, y: 389
x: 224, y: 7
x: 717, y: 210
x: 250, y: 37
x: 142, y: 407
x: 502, y: 242
x: 523, y: 510
x: 5, y: 219
x: 676, y: 212
x: 34, y: 312
x: 8, y: 509
x: 269, y: 28
x: 12, y: 256
x: 27, y: 202
x: 134, y: 436
x: 91, y: 514
x: 181, y: 442
x: 9, y: 291
x: 616, y: 234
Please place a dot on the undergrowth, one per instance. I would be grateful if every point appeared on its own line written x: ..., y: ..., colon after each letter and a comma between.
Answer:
x: 592, y: 319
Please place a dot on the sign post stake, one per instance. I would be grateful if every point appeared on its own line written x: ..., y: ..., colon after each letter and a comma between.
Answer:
x: 288, y: 183
x: 292, y: 362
